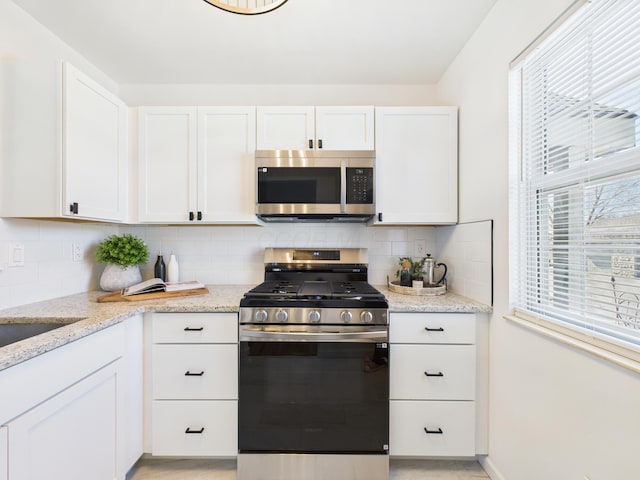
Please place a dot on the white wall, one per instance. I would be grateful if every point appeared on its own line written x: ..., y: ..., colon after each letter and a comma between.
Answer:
x: 402, y: 95
x: 556, y: 413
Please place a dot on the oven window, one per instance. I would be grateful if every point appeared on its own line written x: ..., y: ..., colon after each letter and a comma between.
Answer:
x: 299, y: 185
x: 307, y: 397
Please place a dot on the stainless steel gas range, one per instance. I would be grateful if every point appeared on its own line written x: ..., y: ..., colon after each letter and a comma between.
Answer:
x: 314, y: 370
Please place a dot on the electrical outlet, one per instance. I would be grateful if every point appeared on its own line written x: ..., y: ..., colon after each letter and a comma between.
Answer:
x: 419, y: 248
x: 16, y: 255
x: 76, y: 252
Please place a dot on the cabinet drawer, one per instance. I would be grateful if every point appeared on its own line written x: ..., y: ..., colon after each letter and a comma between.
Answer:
x: 432, y: 372
x: 214, y: 424
x: 408, y: 421
x: 432, y: 328
x: 195, y: 372
x: 194, y: 328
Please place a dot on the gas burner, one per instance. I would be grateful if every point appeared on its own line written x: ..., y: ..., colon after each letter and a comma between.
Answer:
x: 284, y: 288
x: 295, y: 291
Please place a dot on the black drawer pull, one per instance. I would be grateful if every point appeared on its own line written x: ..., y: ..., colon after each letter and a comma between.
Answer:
x: 191, y: 329
x: 433, y: 432
x: 189, y: 374
x: 188, y: 430
x: 439, y: 374
x: 439, y: 329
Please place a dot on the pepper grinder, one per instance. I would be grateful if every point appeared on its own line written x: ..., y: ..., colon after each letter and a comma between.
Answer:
x: 173, y: 270
x: 160, y: 269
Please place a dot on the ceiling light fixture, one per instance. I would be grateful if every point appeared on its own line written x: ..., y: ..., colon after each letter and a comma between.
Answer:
x: 247, y: 7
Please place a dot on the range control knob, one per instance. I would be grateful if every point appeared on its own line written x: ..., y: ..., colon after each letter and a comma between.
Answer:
x: 261, y: 316
x: 314, y: 316
x: 366, y: 316
x: 346, y: 316
x: 281, y: 316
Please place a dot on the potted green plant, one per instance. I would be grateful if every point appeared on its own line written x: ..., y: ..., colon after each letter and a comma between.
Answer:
x: 122, y: 255
x: 416, y: 273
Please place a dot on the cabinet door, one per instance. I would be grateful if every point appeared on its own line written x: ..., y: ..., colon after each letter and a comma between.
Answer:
x: 226, y: 159
x: 72, y: 435
x: 432, y: 429
x: 194, y: 328
x: 285, y: 128
x: 345, y: 128
x: 133, y: 368
x: 195, y: 428
x: 417, y: 165
x: 3, y: 454
x: 443, y: 328
x: 196, y: 372
x: 432, y: 372
x: 167, y: 176
x: 94, y: 149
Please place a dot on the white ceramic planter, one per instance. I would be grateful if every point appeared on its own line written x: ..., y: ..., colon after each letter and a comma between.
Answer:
x: 115, y: 277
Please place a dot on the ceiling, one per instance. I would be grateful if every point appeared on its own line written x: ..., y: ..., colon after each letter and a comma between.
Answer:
x: 302, y: 42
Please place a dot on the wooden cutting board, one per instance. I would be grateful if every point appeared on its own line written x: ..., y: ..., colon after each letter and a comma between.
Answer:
x: 118, y: 297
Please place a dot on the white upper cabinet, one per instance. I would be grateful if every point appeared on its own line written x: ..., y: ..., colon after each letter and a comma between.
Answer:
x: 65, y: 144
x: 167, y: 164
x: 226, y: 160
x: 416, y: 165
x: 196, y: 164
x: 319, y: 128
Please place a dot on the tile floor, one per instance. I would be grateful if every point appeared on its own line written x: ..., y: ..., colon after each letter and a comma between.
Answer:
x: 207, y: 469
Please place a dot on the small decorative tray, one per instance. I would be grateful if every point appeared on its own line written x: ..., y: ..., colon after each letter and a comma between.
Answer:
x: 395, y: 286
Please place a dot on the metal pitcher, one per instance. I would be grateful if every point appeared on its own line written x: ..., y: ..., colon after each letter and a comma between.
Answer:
x: 429, y: 266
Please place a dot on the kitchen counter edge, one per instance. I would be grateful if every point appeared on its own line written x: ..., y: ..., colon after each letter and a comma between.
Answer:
x: 89, y: 316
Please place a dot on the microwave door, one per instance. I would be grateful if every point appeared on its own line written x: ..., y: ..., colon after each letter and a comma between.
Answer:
x: 299, y: 190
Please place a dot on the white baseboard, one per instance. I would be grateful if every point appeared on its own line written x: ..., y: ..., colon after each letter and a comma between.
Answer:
x: 490, y: 468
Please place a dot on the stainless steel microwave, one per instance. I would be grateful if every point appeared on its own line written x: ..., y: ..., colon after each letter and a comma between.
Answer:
x: 315, y: 185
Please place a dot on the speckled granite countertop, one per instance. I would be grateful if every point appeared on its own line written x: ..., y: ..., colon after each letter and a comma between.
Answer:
x: 89, y: 316
x: 449, y: 302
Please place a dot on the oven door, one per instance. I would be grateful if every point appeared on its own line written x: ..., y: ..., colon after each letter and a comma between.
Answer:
x: 312, y: 389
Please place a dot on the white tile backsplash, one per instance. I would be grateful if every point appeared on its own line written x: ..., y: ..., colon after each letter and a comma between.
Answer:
x: 228, y: 254
x: 466, y: 249
x: 234, y: 254
x: 49, y: 270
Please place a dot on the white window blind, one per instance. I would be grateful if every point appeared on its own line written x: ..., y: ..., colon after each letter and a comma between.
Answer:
x: 575, y: 174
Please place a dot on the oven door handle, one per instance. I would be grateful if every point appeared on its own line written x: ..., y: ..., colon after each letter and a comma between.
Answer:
x: 296, y: 336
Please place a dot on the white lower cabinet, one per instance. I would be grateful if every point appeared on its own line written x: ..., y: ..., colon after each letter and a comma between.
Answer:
x: 73, y: 435
x: 4, y: 472
x: 75, y: 412
x: 133, y: 380
x: 63, y: 411
x: 432, y: 428
x: 195, y: 427
x: 194, y: 384
x: 432, y: 384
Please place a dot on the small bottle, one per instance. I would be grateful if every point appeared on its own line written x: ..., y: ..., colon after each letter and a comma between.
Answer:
x: 160, y: 270
x: 173, y: 270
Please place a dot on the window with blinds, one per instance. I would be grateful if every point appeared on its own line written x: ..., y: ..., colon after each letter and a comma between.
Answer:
x: 575, y: 174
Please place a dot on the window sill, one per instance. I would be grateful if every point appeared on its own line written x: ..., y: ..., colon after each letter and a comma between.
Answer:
x: 619, y: 355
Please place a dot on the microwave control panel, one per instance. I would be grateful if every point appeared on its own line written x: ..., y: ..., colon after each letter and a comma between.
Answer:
x: 359, y: 185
